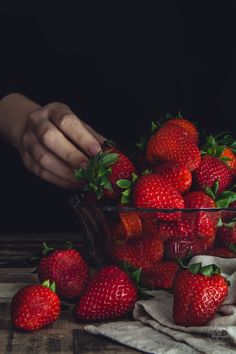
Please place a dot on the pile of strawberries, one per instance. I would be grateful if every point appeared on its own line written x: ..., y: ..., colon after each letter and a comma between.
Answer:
x: 162, y: 185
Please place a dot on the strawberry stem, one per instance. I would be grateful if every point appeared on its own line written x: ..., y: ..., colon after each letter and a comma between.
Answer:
x: 47, y: 249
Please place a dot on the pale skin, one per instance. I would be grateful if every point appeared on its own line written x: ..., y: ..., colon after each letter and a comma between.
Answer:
x: 52, y: 140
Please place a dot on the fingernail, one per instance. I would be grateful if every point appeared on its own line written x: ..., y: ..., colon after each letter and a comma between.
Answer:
x: 94, y: 149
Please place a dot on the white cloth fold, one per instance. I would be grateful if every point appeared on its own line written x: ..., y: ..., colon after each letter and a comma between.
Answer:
x: 153, y: 329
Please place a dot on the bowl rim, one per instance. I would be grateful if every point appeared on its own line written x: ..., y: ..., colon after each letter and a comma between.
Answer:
x: 77, y: 202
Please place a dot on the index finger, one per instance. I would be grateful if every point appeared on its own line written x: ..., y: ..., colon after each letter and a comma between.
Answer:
x: 71, y: 126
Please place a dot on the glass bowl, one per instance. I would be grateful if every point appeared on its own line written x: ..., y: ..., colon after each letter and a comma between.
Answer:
x: 141, y: 236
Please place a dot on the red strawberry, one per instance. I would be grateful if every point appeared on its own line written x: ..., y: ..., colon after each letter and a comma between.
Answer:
x: 161, y: 275
x: 172, y: 143
x: 188, y: 126
x: 140, y: 253
x: 151, y: 226
x: 35, y: 307
x: 198, y: 199
x: 129, y: 226
x: 227, y: 215
x: 175, y: 174
x: 210, y: 171
x: 109, y: 295
x: 69, y: 271
x: 103, y: 171
x: 153, y: 191
x: 198, y: 293
x: 192, y: 226
x: 177, y: 248
x: 226, y: 234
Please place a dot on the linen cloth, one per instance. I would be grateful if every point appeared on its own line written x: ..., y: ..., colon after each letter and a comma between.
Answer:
x: 153, y: 329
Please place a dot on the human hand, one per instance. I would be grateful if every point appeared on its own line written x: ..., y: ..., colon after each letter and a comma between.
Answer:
x: 55, y: 142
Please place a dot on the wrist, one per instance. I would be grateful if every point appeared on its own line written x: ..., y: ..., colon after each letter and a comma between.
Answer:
x: 14, y: 112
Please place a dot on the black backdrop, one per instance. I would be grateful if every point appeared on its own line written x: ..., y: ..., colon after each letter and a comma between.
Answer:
x: 118, y: 65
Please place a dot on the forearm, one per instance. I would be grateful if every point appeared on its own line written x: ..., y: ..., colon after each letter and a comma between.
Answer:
x: 14, y: 110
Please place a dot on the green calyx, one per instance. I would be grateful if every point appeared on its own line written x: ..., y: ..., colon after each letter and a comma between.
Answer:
x: 207, y: 270
x: 97, y: 172
x: 232, y: 247
x: 215, y: 145
x: 222, y: 200
x: 47, y: 249
x: 126, y: 185
x: 51, y: 286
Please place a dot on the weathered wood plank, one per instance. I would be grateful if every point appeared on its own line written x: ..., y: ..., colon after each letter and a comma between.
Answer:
x: 85, y: 343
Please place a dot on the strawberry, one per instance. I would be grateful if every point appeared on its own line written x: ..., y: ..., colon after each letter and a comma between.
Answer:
x: 35, y: 306
x: 175, y: 174
x: 150, y: 225
x: 198, y: 199
x: 227, y: 215
x: 103, y: 171
x: 172, y: 143
x: 223, y: 147
x: 212, y: 170
x: 191, y: 226
x: 109, y: 295
x: 68, y: 269
x: 129, y: 226
x: 139, y: 253
x: 176, y: 248
x: 161, y: 275
x: 226, y: 234
x: 198, y: 293
x: 153, y: 191
x: 187, y: 125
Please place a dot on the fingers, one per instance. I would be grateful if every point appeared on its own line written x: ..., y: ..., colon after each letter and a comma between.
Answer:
x: 47, y: 160
x: 57, y: 143
x: 33, y: 167
x: 71, y: 126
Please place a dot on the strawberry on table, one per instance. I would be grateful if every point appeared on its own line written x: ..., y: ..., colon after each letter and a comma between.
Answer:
x: 161, y: 275
x: 68, y: 269
x: 198, y: 293
x: 179, y: 176
x: 35, y: 306
x: 210, y: 171
x: 139, y: 253
x: 172, y: 143
x: 153, y: 191
x: 109, y: 295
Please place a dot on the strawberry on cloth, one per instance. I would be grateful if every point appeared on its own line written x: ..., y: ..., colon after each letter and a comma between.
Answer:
x: 154, y: 331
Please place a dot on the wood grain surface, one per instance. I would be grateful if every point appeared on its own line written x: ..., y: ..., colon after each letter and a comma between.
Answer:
x: 65, y: 335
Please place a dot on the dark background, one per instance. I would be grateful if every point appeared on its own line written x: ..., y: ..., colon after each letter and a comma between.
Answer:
x: 118, y: 65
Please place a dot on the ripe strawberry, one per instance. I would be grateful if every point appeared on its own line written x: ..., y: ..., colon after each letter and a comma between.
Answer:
x: 187, y: 125
x: 35, y: 306
x: 223, y: 147
x: 69, y: 271
x: 198, y: 293
x: 177, y: 248
x: 161, y: 275
x: 129, y: 226
x: 172, y: 143
x: 221, y: 252
x: 109, y: 295
x: 103, y: 171
x: 198, y: 199
x: 153, y: 191
x: 227, y: 215
x: 139, y: 253
x: 195, y: 225
x: 210, y: 171
x: 226, y: 234
x: 151, y: 226
x: 180, y: 177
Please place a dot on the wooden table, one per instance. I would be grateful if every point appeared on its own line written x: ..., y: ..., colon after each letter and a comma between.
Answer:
x: 65, y: 335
